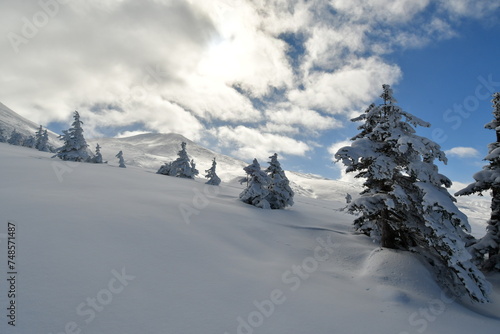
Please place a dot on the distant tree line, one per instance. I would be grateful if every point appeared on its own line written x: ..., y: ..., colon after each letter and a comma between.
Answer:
x: 39, y: 141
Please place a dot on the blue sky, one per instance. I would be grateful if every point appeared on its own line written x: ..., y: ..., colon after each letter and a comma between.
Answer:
x: 438, y: 78
x: 250, y: 78
x: 457, y: 74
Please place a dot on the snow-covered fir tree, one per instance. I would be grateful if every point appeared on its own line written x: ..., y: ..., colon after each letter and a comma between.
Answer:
x: 38, y: 134
x: 29, y: 142
x: 181, y: 167
x: 42, y: 140
x: 211, y: 175
x: 405, y: 203
x: 256, y: 192
x: 16, y: 138
x: 75, y: 146
x: 486, y: 251
x: 121, y: 161
x: 3, y: 139
x: 280, y: 193
x: 165, y: 168
x: 97, y: 159
x: 194, y: 171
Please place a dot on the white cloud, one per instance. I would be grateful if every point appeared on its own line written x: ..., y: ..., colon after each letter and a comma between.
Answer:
x: 346, y: 177
x: 350, y: 87
x: 333, y: 148
x: 309, y: 120
x: 469, y: 8
x: 280, y: 128
x: 463, y: 152
x: 249, y: 143
x: 395, y: 11
x: 185, y: 65
x: 126, y: 134
x: 243, y: 53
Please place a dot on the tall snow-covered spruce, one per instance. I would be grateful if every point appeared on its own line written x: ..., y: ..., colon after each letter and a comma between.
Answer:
x: 486, y: 251
x: 75, y: 146
x: 212, y: 176
x: 405, y: 204
x: 181, y: 167
x: 280, y: 193
x: 42, y: 140
x: 256, y: 192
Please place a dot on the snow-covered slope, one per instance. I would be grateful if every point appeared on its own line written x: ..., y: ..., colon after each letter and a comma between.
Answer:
x: 100, y: 249
x: 9, y: 120
x: 319, y: 187
x: 151, y: 150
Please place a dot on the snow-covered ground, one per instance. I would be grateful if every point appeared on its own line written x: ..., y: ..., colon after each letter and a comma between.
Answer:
x: 151, y: 150
x: 101, y: 249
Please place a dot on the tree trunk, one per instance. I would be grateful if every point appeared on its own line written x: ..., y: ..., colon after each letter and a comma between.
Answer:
x: 388, y: 239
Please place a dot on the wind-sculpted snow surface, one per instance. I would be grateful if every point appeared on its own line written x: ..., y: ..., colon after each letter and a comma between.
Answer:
x: 102, y: 250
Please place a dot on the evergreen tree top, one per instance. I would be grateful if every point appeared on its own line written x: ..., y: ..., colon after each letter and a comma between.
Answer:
x: 495, y: 123
x: 274, y: 169
x: 274, y: 160
x: 77, y: 122
x: 387, y: 95
x: 182, y: 153
x: 253, y: 168
x: 211, y: 169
